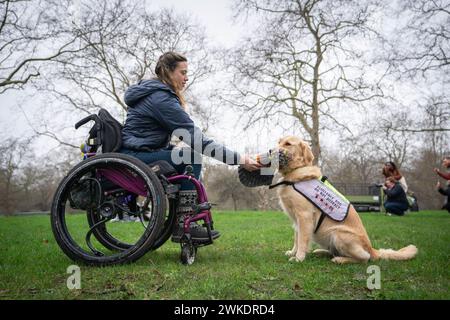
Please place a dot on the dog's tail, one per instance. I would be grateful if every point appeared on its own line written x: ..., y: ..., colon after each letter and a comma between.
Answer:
x: 405, y: 253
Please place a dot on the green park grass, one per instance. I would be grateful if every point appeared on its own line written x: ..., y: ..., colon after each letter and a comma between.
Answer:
x: 246, y: 262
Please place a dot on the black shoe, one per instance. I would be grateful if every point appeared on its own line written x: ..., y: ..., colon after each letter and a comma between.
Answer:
x: 198, y: 233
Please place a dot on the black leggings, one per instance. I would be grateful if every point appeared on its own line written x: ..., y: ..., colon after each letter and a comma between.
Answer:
x: 397, y: 208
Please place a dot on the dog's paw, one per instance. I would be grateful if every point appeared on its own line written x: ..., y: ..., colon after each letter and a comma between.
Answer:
x: 322, y: 252
x: 336, y: 260
x: 290, y: 253
x: 298, y: 258
x: 340, y: 260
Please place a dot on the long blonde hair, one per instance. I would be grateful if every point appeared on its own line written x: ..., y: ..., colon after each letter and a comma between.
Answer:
x: 167, y: 63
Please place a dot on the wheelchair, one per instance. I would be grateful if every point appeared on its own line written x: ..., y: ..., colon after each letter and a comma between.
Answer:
x: 107, y: 184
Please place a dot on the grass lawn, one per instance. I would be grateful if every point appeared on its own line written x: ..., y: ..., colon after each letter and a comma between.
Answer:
x: 246, y: 262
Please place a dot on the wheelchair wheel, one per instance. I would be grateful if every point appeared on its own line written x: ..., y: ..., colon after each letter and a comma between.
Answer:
x: 97, y: 190
x: 109, y: 241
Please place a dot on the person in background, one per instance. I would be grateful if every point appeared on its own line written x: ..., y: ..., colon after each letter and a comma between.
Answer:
x: 396, y: 201
x: 391, y: 170
x: 446, y: 165
x: 444, y: 191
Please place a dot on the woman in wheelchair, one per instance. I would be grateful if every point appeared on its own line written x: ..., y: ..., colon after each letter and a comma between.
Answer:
x: 156, y: 111
x: 132, y: 170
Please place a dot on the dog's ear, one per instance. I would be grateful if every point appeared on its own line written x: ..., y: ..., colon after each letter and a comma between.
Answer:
x: 307, y: 154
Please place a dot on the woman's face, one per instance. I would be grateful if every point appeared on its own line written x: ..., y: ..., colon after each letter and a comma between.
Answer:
x: 446, y: 163
x: 389, y: 184
x: 179, y: 75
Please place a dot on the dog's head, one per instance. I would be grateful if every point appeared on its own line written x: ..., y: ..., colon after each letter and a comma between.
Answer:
x: 294, y: 153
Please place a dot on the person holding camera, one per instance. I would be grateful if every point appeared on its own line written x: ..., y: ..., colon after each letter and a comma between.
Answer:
x: 444, y: 191
x: 390, y: 170
x: 396, y: 202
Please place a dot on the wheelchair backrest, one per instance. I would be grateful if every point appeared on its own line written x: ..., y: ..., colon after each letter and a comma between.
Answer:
x: 111, y: 132
x: 106, y: 132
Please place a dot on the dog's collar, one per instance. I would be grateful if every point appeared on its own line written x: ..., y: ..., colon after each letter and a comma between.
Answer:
x: 288, y: 183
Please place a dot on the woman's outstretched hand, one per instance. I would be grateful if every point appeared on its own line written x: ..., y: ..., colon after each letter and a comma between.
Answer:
x: 249, y: 163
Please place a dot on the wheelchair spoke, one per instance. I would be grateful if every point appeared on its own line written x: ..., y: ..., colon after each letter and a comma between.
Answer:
x: 88, y: 238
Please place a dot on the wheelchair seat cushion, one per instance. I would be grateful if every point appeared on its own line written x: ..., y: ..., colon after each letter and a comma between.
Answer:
x: 164, y: 168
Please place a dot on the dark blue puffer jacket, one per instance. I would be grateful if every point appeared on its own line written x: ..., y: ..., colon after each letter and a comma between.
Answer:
x: 155, y: 113
x: 396, y: 194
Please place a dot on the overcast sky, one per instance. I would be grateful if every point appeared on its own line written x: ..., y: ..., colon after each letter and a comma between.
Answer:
x: 215, y: 15
x: 221, y: 29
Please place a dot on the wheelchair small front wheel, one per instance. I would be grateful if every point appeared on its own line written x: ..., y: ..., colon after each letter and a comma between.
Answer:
x: 188, y: 253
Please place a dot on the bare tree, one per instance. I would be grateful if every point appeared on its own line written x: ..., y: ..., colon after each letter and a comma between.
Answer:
x: 28, y: 182
x: 223, y: 185
x: 418, y: 54
x: 32, y: 33
x: 435, y: 117
x: 430, y: 123
x: 421, y: 178
x: 36, y: 184
x: 357, y: 162
x: 422, y: 46
x: 226, y: 191
x: 12, y: 152
x: 302, y: 62
x: 265, y: 199
x: 123, y: 41
x: 381, y: 142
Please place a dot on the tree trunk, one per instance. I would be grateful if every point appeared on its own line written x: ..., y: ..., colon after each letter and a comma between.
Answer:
x: 233, y: 197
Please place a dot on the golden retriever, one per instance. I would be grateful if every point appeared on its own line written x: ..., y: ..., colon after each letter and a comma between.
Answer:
x: 346, y: 241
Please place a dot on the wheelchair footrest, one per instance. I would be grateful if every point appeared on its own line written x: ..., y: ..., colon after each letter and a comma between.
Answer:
x: 177, y: 239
